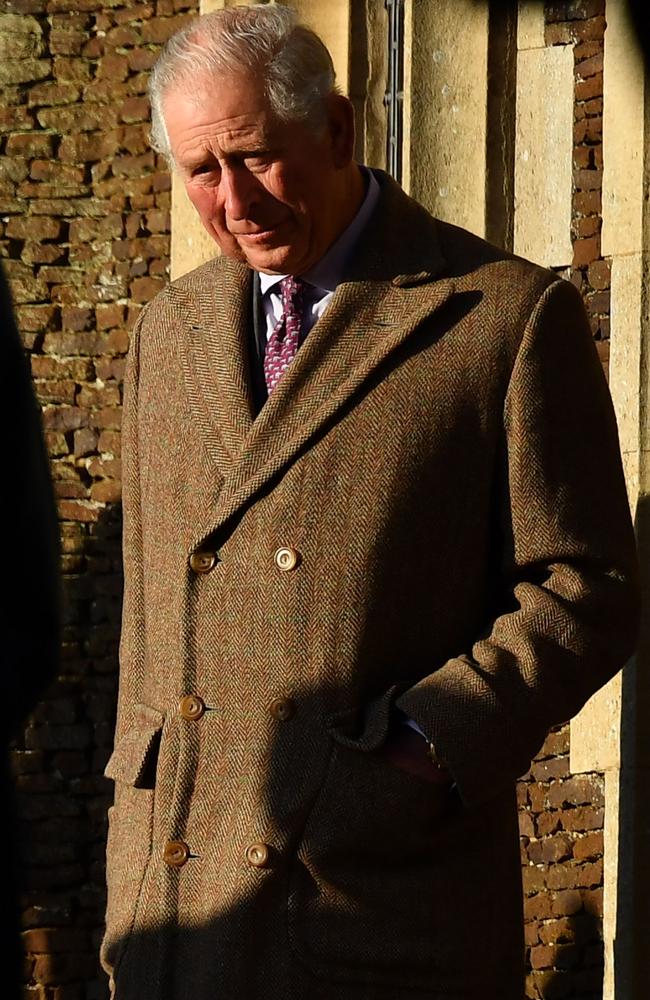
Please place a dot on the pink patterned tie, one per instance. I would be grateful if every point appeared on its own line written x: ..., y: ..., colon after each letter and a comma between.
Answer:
x: 285, y: 338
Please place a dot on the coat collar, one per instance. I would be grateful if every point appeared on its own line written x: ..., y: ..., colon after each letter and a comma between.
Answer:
x: 393, y: 284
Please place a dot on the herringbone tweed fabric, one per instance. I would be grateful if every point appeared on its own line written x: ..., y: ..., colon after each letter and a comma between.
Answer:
x: 442, y: 455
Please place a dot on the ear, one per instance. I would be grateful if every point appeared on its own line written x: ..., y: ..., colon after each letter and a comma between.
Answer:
x: 340, y: 127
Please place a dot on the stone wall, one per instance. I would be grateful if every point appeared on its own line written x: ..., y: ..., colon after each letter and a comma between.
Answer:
x: 562, y: 815
x: 84, y: 235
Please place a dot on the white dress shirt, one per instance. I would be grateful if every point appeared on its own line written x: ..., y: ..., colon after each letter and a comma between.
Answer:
x: 324, y: 276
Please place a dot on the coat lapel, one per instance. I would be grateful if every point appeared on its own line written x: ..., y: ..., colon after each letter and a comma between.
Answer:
x: 391, y: 289
x: 214, y: 348
x: 359, y: 331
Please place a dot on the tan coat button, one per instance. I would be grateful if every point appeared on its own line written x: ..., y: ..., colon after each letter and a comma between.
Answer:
x: 258, y: 855
x: 282, y: 709
x: 191, y: 707
x: 202, y: 561
x: 287, y: 558
x: 176, y: 853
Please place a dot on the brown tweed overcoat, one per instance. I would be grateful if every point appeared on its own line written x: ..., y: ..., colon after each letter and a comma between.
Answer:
x: 441, y: 465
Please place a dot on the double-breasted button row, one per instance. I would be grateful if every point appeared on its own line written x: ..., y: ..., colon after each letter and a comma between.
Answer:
x: 175, y: 853
x: 191, y: 707
x: 203, y: 561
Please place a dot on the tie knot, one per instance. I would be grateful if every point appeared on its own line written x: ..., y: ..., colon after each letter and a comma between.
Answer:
x: 292, y: 290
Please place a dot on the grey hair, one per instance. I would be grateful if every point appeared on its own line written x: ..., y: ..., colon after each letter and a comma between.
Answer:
x: 265, y: 39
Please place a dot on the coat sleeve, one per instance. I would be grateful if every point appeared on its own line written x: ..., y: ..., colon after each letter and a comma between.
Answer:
x: 132, y: 643
x: 568, y: 615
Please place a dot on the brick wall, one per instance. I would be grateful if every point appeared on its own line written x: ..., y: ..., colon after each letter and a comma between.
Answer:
x: 561, y: 827
x: 84, y: 235
x: 561, y: 815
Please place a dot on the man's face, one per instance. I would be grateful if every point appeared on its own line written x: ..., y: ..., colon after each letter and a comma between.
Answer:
x: 269, y: 192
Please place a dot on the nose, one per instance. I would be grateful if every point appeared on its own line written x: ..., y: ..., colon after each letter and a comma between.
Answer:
x: 241, y: 191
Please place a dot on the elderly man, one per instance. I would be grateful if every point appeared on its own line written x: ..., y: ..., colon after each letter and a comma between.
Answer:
x: 376, y: 543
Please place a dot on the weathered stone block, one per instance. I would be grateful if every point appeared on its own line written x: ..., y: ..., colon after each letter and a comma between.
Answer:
x: 108, y: 418
x: 12, y: 119
x: 589, y: 847
x: 160, y: 29
x: 599, y: 274
x: 42, y: 253
x: 583, y: 818
x: 64, y: 418
x: 110, y: 443
x: 24, y: 70
x: 590, y: 66
x: 124, y: 36
x: 134, y: 109
x: 30, y: 144
x: 56, y: 443
x: 25, y: 286
x: 21, y: 37
x: 85, y: 442
x: 567, y: 32
x: 67, y: 43
x: 588, y: 250
x: 110, y: 468
x: 50, y: 391
x: 89, y: 230
x: 109, y: 315
x: 578, y: 790
x: 113, y: 66
x: 587, y: 180
x: 71, y: 737
x: 53, y: 93
x: 144, y: 289
x: 99, y: 395
x: 74, y: 318
x: 107, y: 491
x: 74, y: 343
x: 13, y: 170
x: 589, y: 89
x: 77, y: 118
x: 141, y: 60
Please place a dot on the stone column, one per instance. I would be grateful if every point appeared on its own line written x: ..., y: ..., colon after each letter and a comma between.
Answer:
x: 612, y: 734
x: 445, y: 109
x: 543, y: 144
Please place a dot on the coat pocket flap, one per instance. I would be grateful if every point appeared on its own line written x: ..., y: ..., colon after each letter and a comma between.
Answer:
x: 133, y: 757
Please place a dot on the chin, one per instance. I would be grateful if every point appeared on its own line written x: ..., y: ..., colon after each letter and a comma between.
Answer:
x: 272, y: 261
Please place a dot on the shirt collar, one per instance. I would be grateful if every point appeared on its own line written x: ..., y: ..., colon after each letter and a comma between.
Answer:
x: 328, y: 272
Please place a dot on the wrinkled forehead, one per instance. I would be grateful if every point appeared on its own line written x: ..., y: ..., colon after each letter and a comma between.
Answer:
x: 208, y: 87
x: 218, y: 97
x: 223, y: 115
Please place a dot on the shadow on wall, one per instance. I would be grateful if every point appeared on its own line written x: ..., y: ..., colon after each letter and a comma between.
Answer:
x: 577, y: 957
x: 632, y: 954
x: 58, y: 761
x: 30, y: 647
